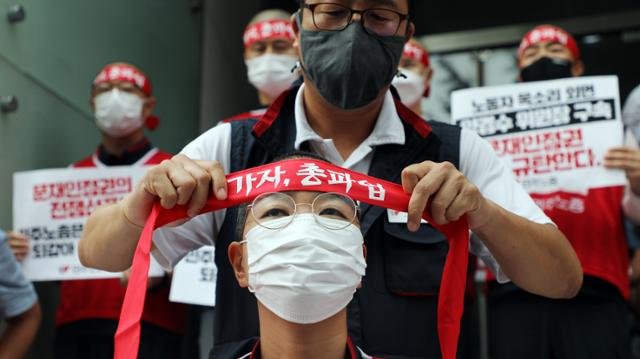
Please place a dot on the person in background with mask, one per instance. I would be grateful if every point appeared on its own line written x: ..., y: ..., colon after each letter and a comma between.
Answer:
x: 19, y: 308
x: 269, y: 56
x: 88, y: 311
x: 594, y: 324
x: 413, y: 81
x: 344, y: 111
x: 548, y: 52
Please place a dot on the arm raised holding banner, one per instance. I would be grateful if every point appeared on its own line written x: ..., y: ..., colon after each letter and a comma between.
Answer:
x: 19, y: 244
x: 529, y: 253
x: 627, y: 158
x: 110, y: 236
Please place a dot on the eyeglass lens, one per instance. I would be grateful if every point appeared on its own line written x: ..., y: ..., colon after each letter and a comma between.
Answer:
x: 336, y: 17
x: 331, y: 210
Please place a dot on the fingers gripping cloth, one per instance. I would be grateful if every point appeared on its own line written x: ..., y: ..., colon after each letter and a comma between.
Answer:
x: 303, y: 175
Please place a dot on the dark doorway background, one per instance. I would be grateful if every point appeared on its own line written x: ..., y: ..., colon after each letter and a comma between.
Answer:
x: 604, y: 53
x: 433, y: 17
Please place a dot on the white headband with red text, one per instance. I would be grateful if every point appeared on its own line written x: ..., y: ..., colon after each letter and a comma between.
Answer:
x: 417, y: 53
x: 549, y: 33
x: 266, y: 30
x: 124, y: 72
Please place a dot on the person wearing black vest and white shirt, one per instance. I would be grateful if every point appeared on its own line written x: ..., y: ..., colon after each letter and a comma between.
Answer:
x: 344, y: 111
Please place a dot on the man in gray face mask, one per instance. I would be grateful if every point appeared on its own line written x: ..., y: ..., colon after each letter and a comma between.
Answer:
x: 350, y: 64
x: 345, y: 112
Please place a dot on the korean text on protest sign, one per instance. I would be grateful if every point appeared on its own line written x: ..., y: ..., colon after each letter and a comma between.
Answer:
x: 552, y: 134
x: 51, y: 206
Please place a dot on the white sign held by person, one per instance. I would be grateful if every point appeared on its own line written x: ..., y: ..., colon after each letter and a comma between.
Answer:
x: 194, y: 278
x: 51, y: 207
x: 552, y: 134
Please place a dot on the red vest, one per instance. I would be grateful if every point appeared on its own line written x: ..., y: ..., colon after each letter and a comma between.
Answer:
x: 102, y: 298
x: 247, y: 115
x: 593, y: 223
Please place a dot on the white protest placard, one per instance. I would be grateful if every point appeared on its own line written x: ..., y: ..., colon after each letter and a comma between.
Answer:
x: 194, y: 278
x: 51, y: 207
x: 552, y: 134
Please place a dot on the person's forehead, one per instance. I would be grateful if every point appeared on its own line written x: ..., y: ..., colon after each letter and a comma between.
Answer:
x: 546, y: 44
x: 302, y: 196
x: 116, y: 82
x: 305, y: 196
x: 400, y: 5
x: 121, y: 84
x: 410, y: 60
x: 273, y: 41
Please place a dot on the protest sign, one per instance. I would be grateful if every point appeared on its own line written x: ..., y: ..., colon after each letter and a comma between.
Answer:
x: 303, y: 175
x: 552, y: 134
x: 194, y: 278
x: 51, y: 207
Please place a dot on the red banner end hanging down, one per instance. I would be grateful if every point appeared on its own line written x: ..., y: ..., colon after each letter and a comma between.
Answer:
x: 303, y: 175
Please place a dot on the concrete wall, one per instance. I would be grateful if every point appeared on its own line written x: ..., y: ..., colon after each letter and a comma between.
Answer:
x: 49, y: 60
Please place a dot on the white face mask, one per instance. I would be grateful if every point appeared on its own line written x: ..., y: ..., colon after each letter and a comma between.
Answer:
x: 118, y: 113
x: 272, y: 74
x: 410, y: 89
x: 304, y: 272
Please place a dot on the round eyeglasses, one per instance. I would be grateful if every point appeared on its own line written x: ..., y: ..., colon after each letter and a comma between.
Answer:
x: 331, y: 210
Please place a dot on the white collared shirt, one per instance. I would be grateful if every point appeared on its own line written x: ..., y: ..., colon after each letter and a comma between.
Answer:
x: 388, y: 130
x: 478, y: 162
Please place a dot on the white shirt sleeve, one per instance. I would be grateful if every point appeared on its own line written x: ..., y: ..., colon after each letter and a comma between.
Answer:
x: 482, y: 167
x: 173, y: 243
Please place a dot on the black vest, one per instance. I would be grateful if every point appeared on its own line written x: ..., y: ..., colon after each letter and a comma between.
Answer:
x: 394, y: 313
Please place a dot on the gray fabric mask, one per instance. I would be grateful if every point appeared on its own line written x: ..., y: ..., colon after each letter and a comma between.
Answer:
x: 349, y: 67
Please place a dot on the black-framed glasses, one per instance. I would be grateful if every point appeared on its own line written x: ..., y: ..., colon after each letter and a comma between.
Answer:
x: 276, y: 210
x: 336, y: 17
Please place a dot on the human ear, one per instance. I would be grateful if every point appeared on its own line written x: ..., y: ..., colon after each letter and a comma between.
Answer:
x: 410, y: 31
x: 149, y: 106
x: 235, y: 254
x: 577, y: 69
x: 364, y: 252
x: 295, y: 28
x: 427, y: 82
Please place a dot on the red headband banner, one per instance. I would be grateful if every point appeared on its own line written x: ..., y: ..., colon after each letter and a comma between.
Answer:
x: 303, y: 175
x: 124, y: 72
x: 549, y: 33
x: 417, y: 53
x: 266, y: 30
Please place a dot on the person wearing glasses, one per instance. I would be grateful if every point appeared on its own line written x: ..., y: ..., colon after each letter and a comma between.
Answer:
x: 344, y: 111
x: 302, y: 255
